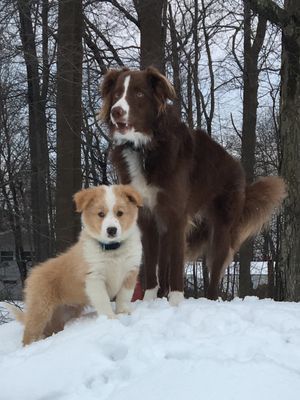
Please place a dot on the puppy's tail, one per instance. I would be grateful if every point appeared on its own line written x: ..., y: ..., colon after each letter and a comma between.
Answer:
x: 16, y: 312
x: 262, y: 198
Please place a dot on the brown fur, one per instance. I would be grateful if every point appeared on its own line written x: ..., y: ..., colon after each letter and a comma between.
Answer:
x: 130, y: 280
x: 203, y: 204
x: 262, y: 197
x: 55, y: 289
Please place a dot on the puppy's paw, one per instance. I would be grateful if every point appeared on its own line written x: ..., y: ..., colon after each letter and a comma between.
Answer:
x: 112, y: 316
x: 175, y: 298
x: 109, y: 315
x: 123, y: 309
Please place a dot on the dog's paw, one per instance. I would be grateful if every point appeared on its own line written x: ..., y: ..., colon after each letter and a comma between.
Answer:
x: 150, y: 294
x: 123, y: 310
x: 111, y: 316
x: 175, y: 298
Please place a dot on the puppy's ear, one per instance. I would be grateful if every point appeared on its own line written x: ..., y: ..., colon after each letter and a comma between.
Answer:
x: 132, y: 195
x: 110, y: 78
x: 83, y: 198
x: 163, y: 89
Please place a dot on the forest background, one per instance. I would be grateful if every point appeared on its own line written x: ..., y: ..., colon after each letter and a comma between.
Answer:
x: 235, y: 66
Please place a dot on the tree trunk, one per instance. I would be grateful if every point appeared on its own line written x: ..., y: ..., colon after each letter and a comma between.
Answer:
x: 205, y: 275
x: 150, y: 14
x: 175, y: 63
x: 250, y: 104
x: 37, y: 136
x: 69, y: 119
x: 152, y: 33
x: 289, y: 262
x: 196, y: 66
x: 289, y: 21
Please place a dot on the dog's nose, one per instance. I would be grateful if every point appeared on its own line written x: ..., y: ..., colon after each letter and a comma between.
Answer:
x: 117, y: 113
x: 111, y: 231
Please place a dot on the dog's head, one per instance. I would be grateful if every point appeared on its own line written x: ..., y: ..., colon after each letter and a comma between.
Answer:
x: 132, y: 101
x: 108, y: 212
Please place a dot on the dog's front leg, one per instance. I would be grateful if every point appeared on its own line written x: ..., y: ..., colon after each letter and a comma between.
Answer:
x: 97, y: 293
x: 150, y: 238
x: 176, y: 244
x: 125, y: 294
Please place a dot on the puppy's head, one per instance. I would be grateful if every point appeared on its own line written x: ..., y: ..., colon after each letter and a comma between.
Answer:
x: 132, y: 101
x: 108, y: 212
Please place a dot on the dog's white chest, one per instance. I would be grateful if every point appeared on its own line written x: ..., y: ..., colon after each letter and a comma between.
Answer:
x: 112, y: 266
x: 138, y: 181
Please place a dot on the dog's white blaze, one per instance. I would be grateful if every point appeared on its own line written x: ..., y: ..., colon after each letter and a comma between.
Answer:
x: 110, y: 220
x: 137, y: 138
x: 122, y: 102
x: 138, y: 181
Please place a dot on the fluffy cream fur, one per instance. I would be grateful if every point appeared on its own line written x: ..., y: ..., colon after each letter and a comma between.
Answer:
x: 59, y: 288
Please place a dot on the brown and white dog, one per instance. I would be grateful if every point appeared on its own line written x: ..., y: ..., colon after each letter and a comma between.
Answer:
x: 102, y: 265
x: 195, y: 194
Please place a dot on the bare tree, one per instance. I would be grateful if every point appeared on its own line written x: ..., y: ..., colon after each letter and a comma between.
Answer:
x: 37, y: 133
x: 150, y: 14
x: 252, y: 47
x: 69, y: 119
x: 288, y: 19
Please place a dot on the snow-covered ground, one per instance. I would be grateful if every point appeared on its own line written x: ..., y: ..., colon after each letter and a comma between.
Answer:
x: 247, y: 350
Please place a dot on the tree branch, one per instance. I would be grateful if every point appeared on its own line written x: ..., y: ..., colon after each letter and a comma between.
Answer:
x: 124, y: 11
x: 271, y: 11
x: 105, y: 40
x: 260, y: 35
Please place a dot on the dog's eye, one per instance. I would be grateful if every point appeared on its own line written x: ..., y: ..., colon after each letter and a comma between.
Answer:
x: 139, y: 94
x: 101, y: 214
x: 117, y: 95
x: 120, y: 213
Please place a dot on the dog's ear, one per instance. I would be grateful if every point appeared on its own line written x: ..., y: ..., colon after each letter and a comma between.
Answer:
x: 132, y: 195
x: 83, y: 198
x: 163, y: 89
x: 110, y: 78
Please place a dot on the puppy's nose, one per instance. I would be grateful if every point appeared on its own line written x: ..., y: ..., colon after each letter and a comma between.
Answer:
x: 117, y: 113
x: 111, y: 231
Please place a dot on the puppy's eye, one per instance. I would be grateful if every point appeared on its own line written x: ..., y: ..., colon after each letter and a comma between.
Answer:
x: 139, y: 94
x: 120, y: 213
x: 117, y: 95
x: 101, y: 214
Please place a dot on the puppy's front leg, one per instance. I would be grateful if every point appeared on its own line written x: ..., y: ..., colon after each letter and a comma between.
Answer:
x: 96, y: 291
x: 125, y: 294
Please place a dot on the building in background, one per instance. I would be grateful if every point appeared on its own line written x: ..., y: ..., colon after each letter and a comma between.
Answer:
x: 10, y: 282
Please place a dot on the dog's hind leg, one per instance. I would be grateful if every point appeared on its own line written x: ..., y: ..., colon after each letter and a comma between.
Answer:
x: 219, y: 256
x: 61, y: 315
x: 37, y: 317
x: 222, y: 219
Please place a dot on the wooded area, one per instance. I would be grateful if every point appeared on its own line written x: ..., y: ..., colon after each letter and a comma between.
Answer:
x: 235, y: 66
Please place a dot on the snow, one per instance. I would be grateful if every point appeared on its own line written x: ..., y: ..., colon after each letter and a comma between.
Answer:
x: 201, y: 349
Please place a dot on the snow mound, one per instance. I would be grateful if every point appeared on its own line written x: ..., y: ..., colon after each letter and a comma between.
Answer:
x: 201, y: 349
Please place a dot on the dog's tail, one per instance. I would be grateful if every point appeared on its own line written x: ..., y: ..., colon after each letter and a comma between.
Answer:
x: 16, y: 312
x: 262, y: 198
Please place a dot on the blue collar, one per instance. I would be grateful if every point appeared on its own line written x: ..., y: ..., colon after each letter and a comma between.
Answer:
x: 109, y: 246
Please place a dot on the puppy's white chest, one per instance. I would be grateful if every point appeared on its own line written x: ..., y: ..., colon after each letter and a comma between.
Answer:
x: 111, y: 266
x: 138, y: 181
